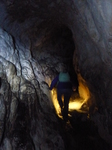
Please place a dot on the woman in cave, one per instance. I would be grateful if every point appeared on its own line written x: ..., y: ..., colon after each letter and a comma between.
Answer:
x: 64, y: 88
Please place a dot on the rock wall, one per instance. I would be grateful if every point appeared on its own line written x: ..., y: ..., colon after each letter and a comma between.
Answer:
x: 27, y: 116
x: 95, y: 45
x: 92, y: 34
x: 91, y: 27
x: 25, y: 63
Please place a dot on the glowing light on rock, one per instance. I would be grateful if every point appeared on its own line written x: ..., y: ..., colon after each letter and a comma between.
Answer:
x: 75, y: 105
x: 79, y: 104
x: 55, y: 102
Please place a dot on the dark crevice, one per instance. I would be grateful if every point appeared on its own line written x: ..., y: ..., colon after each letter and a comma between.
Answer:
x: 21, y: 132
x: 80, y: 133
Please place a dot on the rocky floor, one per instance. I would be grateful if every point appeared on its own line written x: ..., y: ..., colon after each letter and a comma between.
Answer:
x: 80, y: 133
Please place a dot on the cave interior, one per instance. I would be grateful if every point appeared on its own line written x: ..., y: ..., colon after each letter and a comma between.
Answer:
x: 36, y: 38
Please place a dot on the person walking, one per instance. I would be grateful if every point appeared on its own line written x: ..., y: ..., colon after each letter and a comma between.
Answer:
x: 64, y: 88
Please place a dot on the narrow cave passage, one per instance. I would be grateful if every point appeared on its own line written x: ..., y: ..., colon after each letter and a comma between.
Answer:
x: 37, y: 37
x: 55, y: 50
x: 79, y: 132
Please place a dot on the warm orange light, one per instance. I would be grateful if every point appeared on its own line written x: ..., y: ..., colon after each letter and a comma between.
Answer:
x: 83, y: 89
x: 75, y: 103
x: 55, y: 102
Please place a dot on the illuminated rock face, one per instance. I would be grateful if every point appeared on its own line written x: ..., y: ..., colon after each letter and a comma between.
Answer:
x: 39, y: 38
